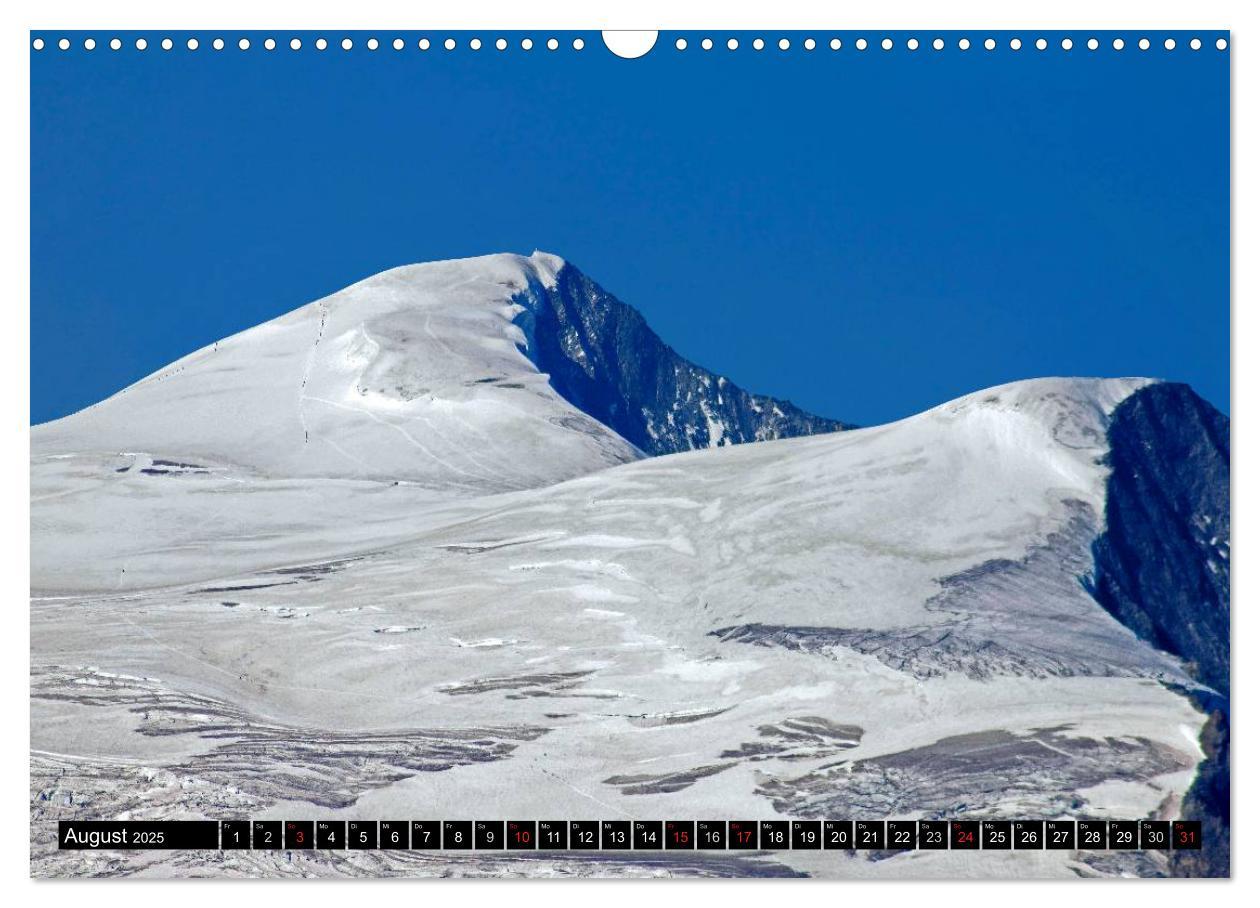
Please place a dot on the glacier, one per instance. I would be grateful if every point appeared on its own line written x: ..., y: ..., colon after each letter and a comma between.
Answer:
x: 466, y: 538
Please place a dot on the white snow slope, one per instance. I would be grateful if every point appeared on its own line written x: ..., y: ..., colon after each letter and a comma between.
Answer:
x: 883, y: 622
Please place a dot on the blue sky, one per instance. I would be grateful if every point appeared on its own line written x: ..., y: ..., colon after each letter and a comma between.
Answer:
x: 865, y: 233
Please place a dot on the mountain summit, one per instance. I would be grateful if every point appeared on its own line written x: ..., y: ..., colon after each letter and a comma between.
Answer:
x: 471, y: 376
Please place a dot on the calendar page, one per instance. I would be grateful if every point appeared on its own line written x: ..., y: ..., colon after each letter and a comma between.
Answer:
x: 558, y: 454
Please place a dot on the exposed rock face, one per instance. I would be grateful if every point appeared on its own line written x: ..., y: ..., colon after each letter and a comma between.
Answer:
x: 604, y: 359
x: 1162, y: 565
x: 1162, y: 568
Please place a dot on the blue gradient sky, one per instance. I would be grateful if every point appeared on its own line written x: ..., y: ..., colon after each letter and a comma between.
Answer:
x: 865, y: 233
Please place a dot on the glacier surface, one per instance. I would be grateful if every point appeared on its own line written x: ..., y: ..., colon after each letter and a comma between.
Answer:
x: 366, y: 560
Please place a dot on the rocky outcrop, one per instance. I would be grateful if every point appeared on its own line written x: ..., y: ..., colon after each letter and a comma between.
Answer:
x: 603, y: 358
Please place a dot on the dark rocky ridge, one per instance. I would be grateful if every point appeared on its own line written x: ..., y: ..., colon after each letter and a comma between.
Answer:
x: 604, y: 359
x: 1162, y: 564
x: 1162, y: 568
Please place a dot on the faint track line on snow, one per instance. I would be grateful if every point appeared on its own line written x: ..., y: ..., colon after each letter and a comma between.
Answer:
x: 306, y: 371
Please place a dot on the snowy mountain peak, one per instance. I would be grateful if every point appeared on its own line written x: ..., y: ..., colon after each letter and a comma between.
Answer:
x: 414, y: 374
x: 507, y: 270
x: 456, y: 375
x: 546, y: 267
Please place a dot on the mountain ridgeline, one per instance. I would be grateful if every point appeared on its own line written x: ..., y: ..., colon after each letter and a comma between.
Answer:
x: 603, y: 358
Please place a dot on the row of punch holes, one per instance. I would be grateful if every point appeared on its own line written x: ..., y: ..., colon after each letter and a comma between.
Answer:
x: 578, y: 44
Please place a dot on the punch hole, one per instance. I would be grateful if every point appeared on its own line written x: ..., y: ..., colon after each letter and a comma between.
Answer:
x: 630, y: 45
x: 38, y: 44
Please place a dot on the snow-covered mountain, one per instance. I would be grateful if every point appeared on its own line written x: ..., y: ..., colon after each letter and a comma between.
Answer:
x: 465, y: 377
x: 1014, y: 604
x: 413, y: 375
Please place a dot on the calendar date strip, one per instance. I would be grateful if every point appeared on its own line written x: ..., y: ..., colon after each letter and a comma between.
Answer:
x: 633, y: 835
